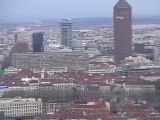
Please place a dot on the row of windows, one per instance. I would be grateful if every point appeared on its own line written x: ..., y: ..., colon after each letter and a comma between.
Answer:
x: 20, y: 108
x: 18, y: 104
x: 23, y: 111
x: 23, y: 114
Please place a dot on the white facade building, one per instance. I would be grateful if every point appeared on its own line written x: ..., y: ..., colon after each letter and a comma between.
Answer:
x: 11, y: 70
x: 21, y: 107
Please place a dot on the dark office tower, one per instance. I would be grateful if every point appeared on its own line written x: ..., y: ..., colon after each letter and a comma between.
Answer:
x: 15, y: 38
x: 122, y: 30
x: 2, y: 40
x: 139, y: 48
x: 66, y: 33
x: 2, y: 115
x: 37, y: 42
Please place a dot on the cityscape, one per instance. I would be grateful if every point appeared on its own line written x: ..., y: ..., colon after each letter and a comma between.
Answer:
x: 95, y: 68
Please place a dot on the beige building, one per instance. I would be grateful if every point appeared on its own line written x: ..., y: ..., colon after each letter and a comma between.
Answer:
x: 51, y: 106
x: 21, y: 107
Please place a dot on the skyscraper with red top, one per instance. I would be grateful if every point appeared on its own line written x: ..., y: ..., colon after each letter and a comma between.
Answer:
x: 122, y: 30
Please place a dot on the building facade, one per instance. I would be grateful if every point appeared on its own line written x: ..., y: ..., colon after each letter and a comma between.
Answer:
x: 19, y: 47
x: 37, y: 42
x: 52, y: 106
x: 157, y: 51
x: 21, y: 107
x: 122, y: 30
x: 15, y: 38
x: 66, y: 33
x: 39, y: 61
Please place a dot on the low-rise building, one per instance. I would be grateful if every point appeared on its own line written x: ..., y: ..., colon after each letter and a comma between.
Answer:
x: 53, y: 106
x: 11, y: 70
x: 21, y: 107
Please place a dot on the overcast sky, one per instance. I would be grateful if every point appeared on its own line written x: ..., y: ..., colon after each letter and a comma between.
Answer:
x: 16, y: 10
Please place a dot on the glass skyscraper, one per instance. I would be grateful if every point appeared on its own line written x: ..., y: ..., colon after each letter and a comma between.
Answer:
x: 37, y: 42
x: 66, y: 33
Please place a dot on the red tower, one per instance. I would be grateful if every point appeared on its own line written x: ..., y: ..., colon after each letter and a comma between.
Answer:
x: 122, y: 30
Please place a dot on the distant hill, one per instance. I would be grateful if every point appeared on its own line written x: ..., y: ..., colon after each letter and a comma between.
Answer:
x: 109, y: 21
x: 92, y: 21
x: 96, y: 21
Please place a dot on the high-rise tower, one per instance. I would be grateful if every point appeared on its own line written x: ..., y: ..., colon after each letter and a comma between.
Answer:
x: 66, y: 33
x: 15, y: 38
x: 122, y: 30
x: 37, y: 42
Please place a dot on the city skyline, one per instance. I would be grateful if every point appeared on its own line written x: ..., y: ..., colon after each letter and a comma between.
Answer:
x: 28, y: 10
x: 79, y: 59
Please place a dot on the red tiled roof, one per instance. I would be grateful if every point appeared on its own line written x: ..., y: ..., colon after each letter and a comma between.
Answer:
x: 70, y: 114
x: 136, y: 107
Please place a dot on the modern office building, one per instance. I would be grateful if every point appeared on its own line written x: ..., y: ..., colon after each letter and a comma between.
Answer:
x: 66, y: 33
x: 15, y: 38
x: 139, y: 48
x: 1, y: 40
x: 122, y: 30
x: 39, y: 61
x: 20, y: 107
x: 37, y: 42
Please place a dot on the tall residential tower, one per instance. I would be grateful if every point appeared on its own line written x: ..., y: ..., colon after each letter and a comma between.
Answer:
x: 122, y: 30
x: 66, y: 33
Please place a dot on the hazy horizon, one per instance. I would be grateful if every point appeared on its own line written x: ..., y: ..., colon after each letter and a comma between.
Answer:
x: 31, y: 10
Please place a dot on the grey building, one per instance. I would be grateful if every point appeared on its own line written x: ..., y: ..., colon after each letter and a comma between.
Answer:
x: 66, y: 33
x: 15, y: 38
x: 37, y: 42
x: 157, y: 51
x: 38, y: 61
x: 2, y: 115
x: 92, y: 92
